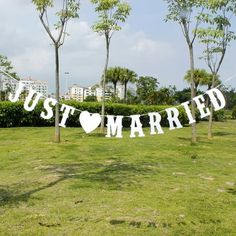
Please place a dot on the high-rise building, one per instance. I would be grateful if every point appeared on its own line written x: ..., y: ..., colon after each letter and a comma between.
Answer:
x: 99, y: 94
x: 120, y: 91
x: 38, y: 85
x: 89, y: 92
x: 79, y: 93
x: 76, y: 92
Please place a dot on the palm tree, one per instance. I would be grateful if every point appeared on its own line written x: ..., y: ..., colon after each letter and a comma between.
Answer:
x: 208, y: 81
x: 128, y: 76
x: 200, y: 76
x: 113, y: 76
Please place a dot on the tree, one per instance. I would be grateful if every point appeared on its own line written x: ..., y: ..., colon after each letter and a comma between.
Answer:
x: 68, y: 11
x: 146, y: 87
x: 200, y: 76
x: 6, y: 66
x: 111, y: 13
x: 165, y: 96
x: 131, y: 97
x: 183, y: 95
x: 6, y: 70
x: 91, y: 98
x: 207, y: 81
x: 216, y: 38
x: 187, y: 13
x: 128, y: 76
x: 122, y: 75
x: 114, y: 76
x: 230, y: 96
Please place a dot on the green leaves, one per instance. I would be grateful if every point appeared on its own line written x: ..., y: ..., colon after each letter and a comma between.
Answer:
x: 210, y: 33
x: 119, y: 74
x: 114, y: 74
x: 69, y: 10
x: 201, y: 77
x: 105, y: 5
x: 5, y: 65
x: 41, y: 5
x: 216, y: 35
x: 146, y: 87
x: 179, y: 10
x: 110, y: 13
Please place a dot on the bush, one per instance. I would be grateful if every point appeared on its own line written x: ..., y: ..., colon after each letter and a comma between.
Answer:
x: 234, y: 112
x: 219, y: 116
x: 14, y: 115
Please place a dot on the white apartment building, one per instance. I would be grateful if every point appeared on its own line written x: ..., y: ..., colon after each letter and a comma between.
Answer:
x: 89, y: 92
x: 120, y: 91
x: 76, y: 92
x: 37, y: 85
x: 99, y: 94
x: 79, y: 93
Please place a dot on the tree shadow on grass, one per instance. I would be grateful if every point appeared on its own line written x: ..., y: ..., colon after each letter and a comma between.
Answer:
x: 232, y: 191
x: 112, y: 175
x: 199, y: 140
x: 224, y: 133
x: 9, y: 195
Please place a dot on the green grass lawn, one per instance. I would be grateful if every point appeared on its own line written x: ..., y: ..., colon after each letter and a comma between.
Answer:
x: 91, y: 185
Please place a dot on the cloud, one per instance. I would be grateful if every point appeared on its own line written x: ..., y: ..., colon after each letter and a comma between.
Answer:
x: 145, y: 46
x: 25, y: 42
x: 82, y: 37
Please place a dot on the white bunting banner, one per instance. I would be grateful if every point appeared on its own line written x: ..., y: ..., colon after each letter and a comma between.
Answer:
x: 91, y: 121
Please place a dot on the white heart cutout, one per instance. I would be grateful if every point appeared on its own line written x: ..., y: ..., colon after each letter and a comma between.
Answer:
x: 89, y: 122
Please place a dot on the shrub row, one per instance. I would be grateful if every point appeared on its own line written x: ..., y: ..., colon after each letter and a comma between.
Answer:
x: 234, y: 112
x: 124, y: 110
x: 14, y: 115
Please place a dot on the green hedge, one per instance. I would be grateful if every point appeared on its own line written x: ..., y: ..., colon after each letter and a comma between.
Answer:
x: 234, y: 113
x: 14, y: 115
x: 218, y: 116
x: 124, y: 110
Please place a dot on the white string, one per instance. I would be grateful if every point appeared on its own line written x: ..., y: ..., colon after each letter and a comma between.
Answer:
x: 221, y: 84
x: 142, y: 115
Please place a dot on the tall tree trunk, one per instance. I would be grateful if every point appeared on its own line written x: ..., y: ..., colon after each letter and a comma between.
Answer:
x: 1, y: 87
x: 210, y: 124
x: 207, y: 98
x: 104, y: 84
x: 125, y: 92
x: 115, y: 85
x: 193, y: 94
x: 57, y: 94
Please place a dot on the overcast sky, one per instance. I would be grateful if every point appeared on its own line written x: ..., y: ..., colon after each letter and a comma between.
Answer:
x: 146, y: 45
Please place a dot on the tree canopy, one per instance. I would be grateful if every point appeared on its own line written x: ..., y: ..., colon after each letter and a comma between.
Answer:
x: 6, y: 66
x: 111, y: 14
x: 146, y: 87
